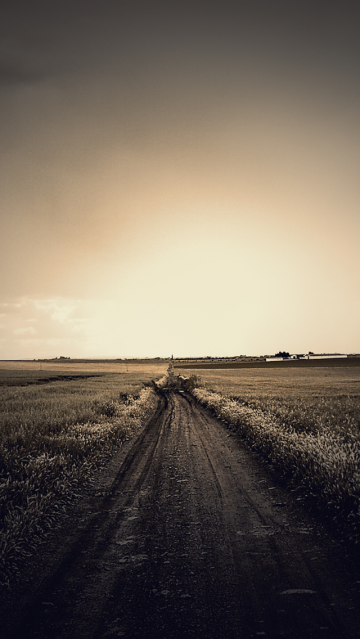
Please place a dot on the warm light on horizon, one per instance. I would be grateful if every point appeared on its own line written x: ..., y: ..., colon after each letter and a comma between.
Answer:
x: 185, y: 183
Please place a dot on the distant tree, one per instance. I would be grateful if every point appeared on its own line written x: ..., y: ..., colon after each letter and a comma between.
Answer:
x: 282, y: 354
x: 311, y: 353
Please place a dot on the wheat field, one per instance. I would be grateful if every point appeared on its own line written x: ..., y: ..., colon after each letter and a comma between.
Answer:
x: 305, y: 423
x: 54, y: 433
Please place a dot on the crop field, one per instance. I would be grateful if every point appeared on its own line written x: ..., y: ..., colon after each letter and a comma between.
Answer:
x: 61, y: 420
x: 305, y: 422
x: 260, y: 362
x: 306, y: 398
x: 56, y: 426
x: 24, y: 373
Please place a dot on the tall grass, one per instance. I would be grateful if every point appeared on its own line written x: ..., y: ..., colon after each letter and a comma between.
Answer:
x: 311, y: 437
x: 308, y: 399
x: 51, y: 439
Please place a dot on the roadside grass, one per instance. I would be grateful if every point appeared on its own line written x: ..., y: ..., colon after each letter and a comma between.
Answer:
x: 52, y: 437
x: 305, y: 423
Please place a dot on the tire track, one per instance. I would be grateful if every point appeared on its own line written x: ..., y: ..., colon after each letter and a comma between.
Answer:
x: 189, y: 541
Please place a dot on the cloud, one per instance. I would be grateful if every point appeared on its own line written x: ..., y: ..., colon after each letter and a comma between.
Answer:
x: 11, y: 74
x: 59, y: 326
x: 159, y: 161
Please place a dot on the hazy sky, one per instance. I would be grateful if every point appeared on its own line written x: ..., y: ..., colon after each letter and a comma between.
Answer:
x: 179, y: 177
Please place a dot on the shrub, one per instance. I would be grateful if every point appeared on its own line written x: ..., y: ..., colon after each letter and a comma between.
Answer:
x: 192, y: 382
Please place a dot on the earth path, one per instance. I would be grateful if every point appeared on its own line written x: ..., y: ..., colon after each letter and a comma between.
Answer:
x: 185, y: 534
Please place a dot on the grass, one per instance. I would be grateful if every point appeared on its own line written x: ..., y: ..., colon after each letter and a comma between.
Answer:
x: 53, y: 436
x: 260, y: 362
x: 305, y: 422
x: 55, y: 433
x: 306, y: 399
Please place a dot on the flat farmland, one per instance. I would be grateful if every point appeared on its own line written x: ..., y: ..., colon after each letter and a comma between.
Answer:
x: 261, y: 363
x: 185, y: 533
x: 24, y: 373
x: 274, y: 381
x: 307, y: 398
x: 173, y: 527
x: 305, y: 422
x: 58, y: 422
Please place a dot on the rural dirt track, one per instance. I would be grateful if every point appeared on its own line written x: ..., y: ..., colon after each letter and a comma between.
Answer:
x: 186, y: 534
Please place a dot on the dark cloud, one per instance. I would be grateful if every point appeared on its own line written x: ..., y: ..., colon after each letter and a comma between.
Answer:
x: 143, y: 44
x: 12, y: 73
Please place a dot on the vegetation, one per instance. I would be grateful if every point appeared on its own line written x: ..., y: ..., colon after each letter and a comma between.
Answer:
x: 306, y: 423
x: 52, y: 437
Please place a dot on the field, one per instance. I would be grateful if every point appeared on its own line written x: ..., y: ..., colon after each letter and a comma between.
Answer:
x: 59, y: 420
x: 304, y: 421
x: 262, y: 363
x: 305, y: 398
x: 25, y: 373
x: 56, y: 425
x: 188, y: 533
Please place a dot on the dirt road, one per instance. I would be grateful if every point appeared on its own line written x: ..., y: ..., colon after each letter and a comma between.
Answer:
x: 185, y: 534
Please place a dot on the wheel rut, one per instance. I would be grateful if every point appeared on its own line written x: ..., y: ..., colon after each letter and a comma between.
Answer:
x: 188, y: 540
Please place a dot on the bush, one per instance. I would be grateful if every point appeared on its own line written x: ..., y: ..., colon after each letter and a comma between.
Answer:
x: 192, y: 382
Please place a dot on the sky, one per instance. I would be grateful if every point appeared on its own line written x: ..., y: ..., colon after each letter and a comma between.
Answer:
x: 179, y: 178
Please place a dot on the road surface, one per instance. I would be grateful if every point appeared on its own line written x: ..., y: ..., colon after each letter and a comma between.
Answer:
x: 186, y: 534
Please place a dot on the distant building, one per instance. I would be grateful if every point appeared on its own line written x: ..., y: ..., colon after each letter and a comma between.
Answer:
x: 282, y: 359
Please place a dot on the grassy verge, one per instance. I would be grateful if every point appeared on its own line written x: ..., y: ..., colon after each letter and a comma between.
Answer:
x: 315, y: 444
x: 51, y: 439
